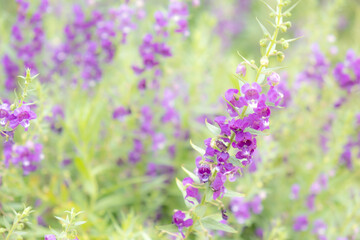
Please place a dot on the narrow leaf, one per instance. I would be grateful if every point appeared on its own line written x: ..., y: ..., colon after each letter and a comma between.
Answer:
x: 212, y: 224
x: 215, y: 130
x: 168, y: 228
x: 265, y: 31
x: 198, y: 149
x: 192, y: 175
x: 292, y: 7
x: 294, y: 39
x: 232, y: 194
x: 271, y: 9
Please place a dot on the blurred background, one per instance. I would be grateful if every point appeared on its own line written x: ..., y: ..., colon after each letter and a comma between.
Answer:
x: 114, y: 134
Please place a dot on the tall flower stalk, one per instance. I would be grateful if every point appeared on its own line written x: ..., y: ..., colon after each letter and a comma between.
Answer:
x: 235, y: 137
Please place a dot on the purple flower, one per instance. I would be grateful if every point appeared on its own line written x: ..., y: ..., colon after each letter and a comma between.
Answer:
x: 120, y: 113
x: 4, y: 113
x: 218, y: 186
x: 22, y: 116
x: 259, y: 232
x: 50, y: 237
x: 251, y: 93
x: 11, y: 71
x: 348, y: 73
x: 255, y: 205
x: 241, y: 209
x: 319, y: 228
x: 273, y: 79
x: 241, y: 69
x: 180, y: 222
x: 346, y: 157
x: 203, y: 171
x: 136, y: 153
x: 29, y: 155
x: 191, y: 191
x: 274, y: 95
x: 316, y: 69
x: 310, y: 202
x: 300, y: 223
x: 295, y: 189
x: 154, y: 170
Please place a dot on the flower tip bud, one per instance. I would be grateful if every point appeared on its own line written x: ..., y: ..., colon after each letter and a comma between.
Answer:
x: 264, y: 61
x: 263, y: 42
x: 285, y: 45
x: 241, y: 69
x: 280, y: 56
x: 12, y: 107
x: 283, y: 28
x: 20, y: 226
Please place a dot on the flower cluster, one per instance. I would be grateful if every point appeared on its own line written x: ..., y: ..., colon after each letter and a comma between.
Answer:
x: 317, y: 68
x: 235, y: 141
x: 238, y: 132
x: 26, y: 50
x: 19, y: 116
x: 241, y: 208
x: 346, y: 157
x: 89, y: 42
x: 56, y: 118
x: 28, y: 155
x: 180, y: 222
x: 347, y: 73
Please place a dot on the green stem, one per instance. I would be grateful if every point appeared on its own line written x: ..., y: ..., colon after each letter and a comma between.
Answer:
x: 273, y: 38
x: 13, y: 227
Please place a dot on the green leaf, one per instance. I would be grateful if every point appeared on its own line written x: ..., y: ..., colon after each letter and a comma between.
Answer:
x: 80, y: 223
x: 232, y: 194
x: 271, y: 9
x: 292, y: 7
x: 198, y: 149
x: 209, y: 195
x: 192, y: 175
x: 261, y: 78
x: 244, y: 59
x: 215, y: 130
x: 255, y: 132
x: 212, y: 224
x: 200, y: 210
x: 293, y: 39
x: 263, y: 28
x: 171, y: 228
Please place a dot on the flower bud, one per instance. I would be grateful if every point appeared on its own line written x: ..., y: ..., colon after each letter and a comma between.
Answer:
x: 283, y: 28
x: 263, y: 42
x: 287, y: 14
x: 285, y: 45
x: 273, y: 79
x: 2, y: 230
x: 241, y: 69
x: 20, y: 226
x: 12, y: 107
x: 264, y: 61
x: 272, y: 14
x: 280, y: 56
x: 288, y: 24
